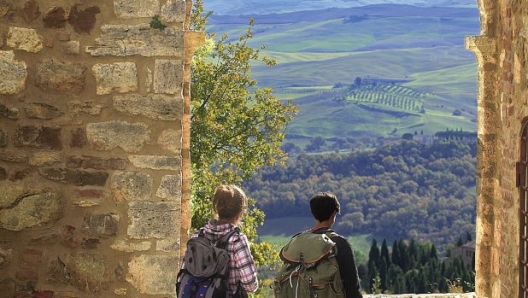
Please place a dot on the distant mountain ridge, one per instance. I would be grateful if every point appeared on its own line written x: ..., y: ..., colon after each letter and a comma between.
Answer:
x: 373, y: 10
x: 262, y: 7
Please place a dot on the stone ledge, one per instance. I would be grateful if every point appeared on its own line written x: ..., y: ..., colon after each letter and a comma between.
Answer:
x: 448, y: 295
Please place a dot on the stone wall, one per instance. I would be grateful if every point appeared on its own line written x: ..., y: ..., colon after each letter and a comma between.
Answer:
x: 501, y: 53
x: 94, y: 145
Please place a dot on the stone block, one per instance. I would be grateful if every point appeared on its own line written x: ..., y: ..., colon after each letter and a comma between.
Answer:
x: 155, y: 162
x: 171, y: 140
x: 153, y: 219
x: 45, y: 158
x: 87, y: 272
x: 130, y: 40
x: 153, y: 275
x: 173, y: 11
x: 131, y: 9
x: 34, y: 210
x: 40, y: 110
x: 130, y: 137
x: 13, y: 74
x: 15, y: 156
x: 153, y: 106
x: 131, y: 186
x: 66, y: 77
x: 168, y: 76
x: 118, y: 77
x: 170, y: 188
x: 76, y: 107
x: 25, y: 39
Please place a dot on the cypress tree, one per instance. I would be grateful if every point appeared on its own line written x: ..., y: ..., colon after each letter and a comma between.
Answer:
x: 385, y: 252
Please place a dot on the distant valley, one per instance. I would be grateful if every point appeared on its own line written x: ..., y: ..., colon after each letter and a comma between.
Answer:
x: 322, y: 53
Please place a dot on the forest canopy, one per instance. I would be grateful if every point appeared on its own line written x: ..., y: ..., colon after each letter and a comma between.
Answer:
x: 403, y: 190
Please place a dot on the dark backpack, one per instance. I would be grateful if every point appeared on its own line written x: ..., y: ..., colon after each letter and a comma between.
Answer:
x: 309, y: 268
x: 206, y: 268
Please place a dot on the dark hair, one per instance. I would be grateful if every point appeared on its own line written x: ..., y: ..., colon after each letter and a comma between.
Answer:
x: 323, y: 205
x: 229, y: 202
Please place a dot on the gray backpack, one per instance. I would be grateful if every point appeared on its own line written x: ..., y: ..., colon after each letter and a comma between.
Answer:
x: 206, y: 268
x: 309, y: 269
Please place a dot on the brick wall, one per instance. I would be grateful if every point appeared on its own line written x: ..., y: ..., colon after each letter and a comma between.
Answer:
x: 501, y: 56
x: 94, y: 145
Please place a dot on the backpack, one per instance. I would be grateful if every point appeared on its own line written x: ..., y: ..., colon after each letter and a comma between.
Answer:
x: 206, y: 268
x: 309, y: 268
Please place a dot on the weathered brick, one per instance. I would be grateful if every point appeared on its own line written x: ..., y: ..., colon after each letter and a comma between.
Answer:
x: 31, y: 10
x: 38, y: 137
x: 101, y: 225
x: 75, y: 177
x: 3, y: 173
x: 91, y: 162
x: 55, y: 17
x: 6, y: 255
x: 43, y: 294
x: 3, y: 138
x: 69, y: 237
x: 13, y: 156
x: 8, y: 287
x: 78, y: 138
x: 40, y: 110
x: 83, y: 21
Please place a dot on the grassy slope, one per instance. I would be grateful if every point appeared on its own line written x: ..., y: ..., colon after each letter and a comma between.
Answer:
x: 320, y: 49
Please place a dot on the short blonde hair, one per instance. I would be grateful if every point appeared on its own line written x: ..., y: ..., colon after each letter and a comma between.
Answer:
x: 229, y: 202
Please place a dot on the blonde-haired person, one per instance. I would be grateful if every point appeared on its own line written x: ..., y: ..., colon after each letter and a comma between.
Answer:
x: 229, y: 205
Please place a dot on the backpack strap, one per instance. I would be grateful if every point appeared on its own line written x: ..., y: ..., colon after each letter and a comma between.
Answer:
x: 222, y: 242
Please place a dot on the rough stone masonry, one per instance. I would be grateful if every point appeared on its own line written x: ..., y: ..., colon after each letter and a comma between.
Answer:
x: 94, y: 142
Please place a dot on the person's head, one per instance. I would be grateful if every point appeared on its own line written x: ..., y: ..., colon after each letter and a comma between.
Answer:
x: 229, y: 203
x: 324, y: 205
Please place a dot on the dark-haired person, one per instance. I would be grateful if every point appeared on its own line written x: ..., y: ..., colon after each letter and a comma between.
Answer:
x: 325, y: 207
x: 230, y: 203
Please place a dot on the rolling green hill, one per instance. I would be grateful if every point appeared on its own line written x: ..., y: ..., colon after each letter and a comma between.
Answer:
x: 418, y: 49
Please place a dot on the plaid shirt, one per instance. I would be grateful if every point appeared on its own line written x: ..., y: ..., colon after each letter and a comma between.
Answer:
x: 241, y: 265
